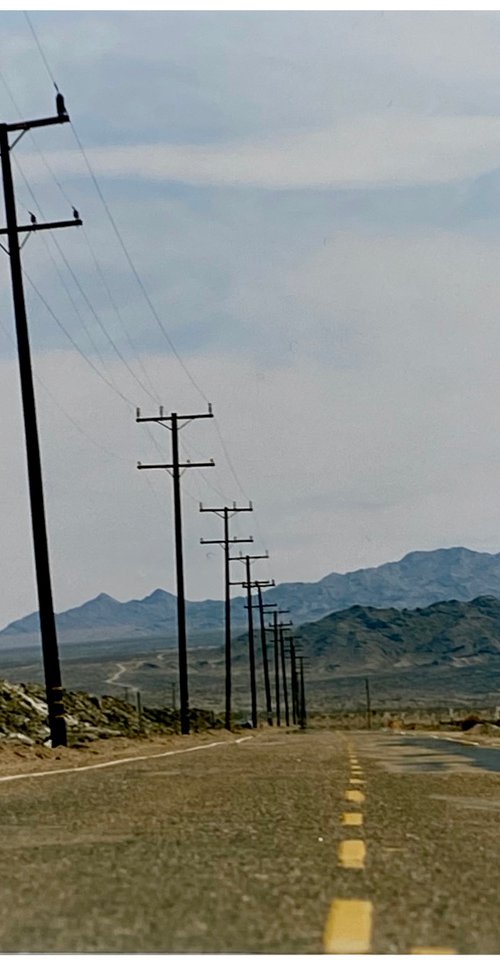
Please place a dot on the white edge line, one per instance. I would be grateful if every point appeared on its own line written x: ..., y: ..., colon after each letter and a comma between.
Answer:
x: 120, y: 761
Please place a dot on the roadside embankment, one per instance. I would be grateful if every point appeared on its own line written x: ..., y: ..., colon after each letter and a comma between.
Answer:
x: 23, y: 718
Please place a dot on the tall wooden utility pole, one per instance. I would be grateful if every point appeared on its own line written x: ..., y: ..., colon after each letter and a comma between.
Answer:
x: 303, y: 712
x: 263, y: 640
x: 226, y: 513
x: 294, y: 679
x: 283, y: 669
x: 275, y: 627
x: 368, y: 704
x: 52, y: 670
x: 174, y: 468
x: 248, y: 584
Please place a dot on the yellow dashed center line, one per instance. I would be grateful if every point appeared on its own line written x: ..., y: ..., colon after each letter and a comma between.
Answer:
x: 348, y: 927
x: 433, y: 951
x: 351, y: 818
x: 351, y: 854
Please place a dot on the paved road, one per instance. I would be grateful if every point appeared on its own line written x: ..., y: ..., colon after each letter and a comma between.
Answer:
x: 244, y: 848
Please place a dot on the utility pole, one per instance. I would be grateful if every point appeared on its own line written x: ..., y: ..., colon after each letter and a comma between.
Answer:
x: 294, y: 653
x: 139, y: 710
x: 174, y: 468
x: 368, y: 705
x: 52, y: 670
x: 276, y: 669
x: 275, y: 629
x: 263, y: 641
x: 226, y: 513
x: 303, y: 713
x: 248, y: 584
x: 283, y: 669
x: 293, y: 675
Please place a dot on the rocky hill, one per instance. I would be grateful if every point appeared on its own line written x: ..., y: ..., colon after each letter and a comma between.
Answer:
x: 419, y: 579
x: 23, y: 717
x: 361, y: 639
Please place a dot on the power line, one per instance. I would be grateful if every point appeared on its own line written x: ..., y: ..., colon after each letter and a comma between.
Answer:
x: 80, y: 351
x: 85, y: 298
x: 229, y: 462
x: 42, y: 55
x: 64, y: 411
x: 77, y: 426
x: 103, y: 328
x: 70, y: 203
x: 89, y: 361
x: 119, y: 316
x: 133, y: 268
x: 73, y: 303
x: 192, y: 449
x: 152, y: 395
x: 34, y: 141
x: 68, y: 266
x: 109, y: 382
x: 153, y: 310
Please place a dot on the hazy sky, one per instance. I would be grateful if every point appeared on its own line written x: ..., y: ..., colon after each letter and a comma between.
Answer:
x: 313, y: 204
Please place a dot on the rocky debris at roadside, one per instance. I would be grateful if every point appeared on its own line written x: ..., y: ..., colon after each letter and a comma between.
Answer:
x: 23, y: 717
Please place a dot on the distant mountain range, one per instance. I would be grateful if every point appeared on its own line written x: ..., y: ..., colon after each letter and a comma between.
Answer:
x: 105, y: 619
x: 421, y: 578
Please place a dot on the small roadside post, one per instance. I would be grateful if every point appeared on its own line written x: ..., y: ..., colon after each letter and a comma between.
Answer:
x: 139, y: 709
x: 368, y: 705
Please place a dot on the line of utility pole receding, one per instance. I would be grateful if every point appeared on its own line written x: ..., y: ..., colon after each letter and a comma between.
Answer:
x: 175, y: 422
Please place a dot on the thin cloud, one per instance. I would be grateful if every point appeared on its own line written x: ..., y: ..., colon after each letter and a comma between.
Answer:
x: 378, y: 150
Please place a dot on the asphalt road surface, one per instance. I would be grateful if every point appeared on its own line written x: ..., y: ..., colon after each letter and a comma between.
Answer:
x: 284, y: 843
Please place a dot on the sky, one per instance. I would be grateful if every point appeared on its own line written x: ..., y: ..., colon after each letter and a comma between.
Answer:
x: 312, y: 204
